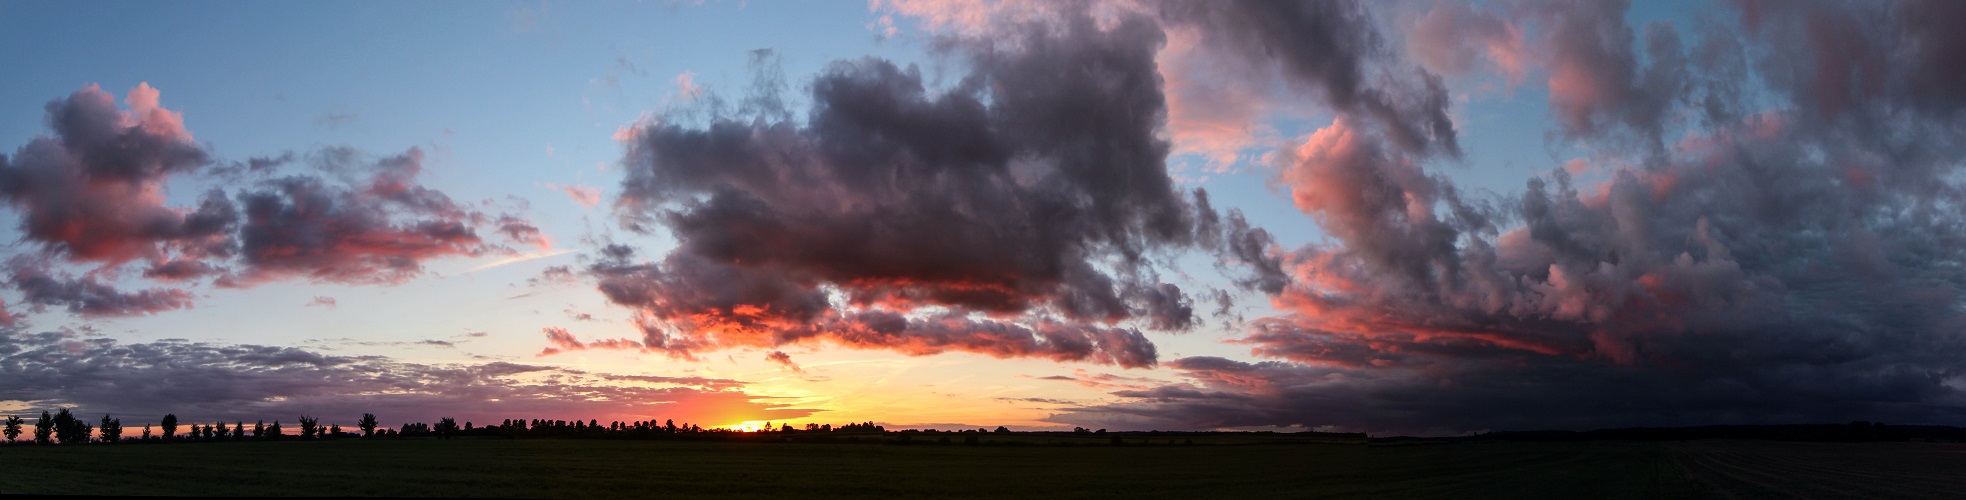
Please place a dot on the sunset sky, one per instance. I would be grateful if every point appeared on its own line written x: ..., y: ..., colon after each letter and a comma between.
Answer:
x: 1392, y: 217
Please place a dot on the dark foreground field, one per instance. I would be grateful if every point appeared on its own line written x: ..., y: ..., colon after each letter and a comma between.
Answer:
x: 614, y: 469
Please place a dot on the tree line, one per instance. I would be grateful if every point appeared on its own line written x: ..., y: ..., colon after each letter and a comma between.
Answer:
x: 64, y: 427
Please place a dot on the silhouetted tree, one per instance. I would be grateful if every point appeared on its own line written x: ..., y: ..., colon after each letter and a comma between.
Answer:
x: 446, y: 427
x: 273, y: 431
x: 223, y: 431
x: 146, y: 432
x: 334, y: 431
x: 14, y: 423
x: 1002, y: 430
x: 308, y: 425
x: 70, y: 430
x: 112, y: 429
x: 169, y: 425
x: 367, y: 424
x: 44, y: 429
x: 239, y: 430
x: 259, y: 429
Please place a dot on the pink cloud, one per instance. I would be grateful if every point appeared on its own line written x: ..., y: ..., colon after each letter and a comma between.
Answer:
x: 586, y: 196
x: 95, y: 190
x: 560, y: 340
x: 1453, y: 38
x: 520, y: 230
x: 1210, y: 110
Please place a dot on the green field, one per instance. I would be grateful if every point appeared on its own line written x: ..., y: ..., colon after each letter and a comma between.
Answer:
x: 642, y: 469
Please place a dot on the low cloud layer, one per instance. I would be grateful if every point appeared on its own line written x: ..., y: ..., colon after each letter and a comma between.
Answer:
x: 201, y: 382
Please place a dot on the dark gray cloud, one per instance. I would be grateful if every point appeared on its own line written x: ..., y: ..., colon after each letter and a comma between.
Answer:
x: 377, y: 229
x: 1034, y: 188
x: 86, y: 296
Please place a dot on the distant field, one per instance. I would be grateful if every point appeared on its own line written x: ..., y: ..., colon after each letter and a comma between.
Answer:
x: 614, y: 469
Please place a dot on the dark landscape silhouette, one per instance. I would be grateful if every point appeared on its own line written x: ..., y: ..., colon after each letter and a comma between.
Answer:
x: 536, y: 457
x: 65, y: 428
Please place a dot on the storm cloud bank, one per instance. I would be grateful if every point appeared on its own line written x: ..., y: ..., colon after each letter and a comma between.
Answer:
x: 1799, y: 262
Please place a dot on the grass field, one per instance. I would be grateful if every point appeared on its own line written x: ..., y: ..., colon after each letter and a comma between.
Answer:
x: 644, y: 469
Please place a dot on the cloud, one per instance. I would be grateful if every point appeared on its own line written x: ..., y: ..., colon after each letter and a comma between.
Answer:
x: 553, y: 275
x: 92, y: 194
x: 202, y: 382
x: 1455, y: 38
x: 1872, y: 69
x: 586, y: 196
x: 1326, y: 49
x: 1231, y: 67
x: 377, y: 231
x: 782, y: 359
x: 560, y: 341
x: 1106, y: 380
x: 1596, y: 79
x: 87, y: 296
x: 519, y: 230
x: 1031, y: 194
x: 323, y: 301
x: 94, y: 191
x: 1782, y: 266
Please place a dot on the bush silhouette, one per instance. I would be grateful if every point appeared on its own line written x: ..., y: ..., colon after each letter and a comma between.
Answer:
x: 367, y: 424
x: 169, y: 425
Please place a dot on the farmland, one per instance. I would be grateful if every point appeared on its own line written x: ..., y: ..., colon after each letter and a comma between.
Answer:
x: 564, y: 468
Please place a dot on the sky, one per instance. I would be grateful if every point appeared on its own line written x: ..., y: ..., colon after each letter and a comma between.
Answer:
x: 1389, y: 217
